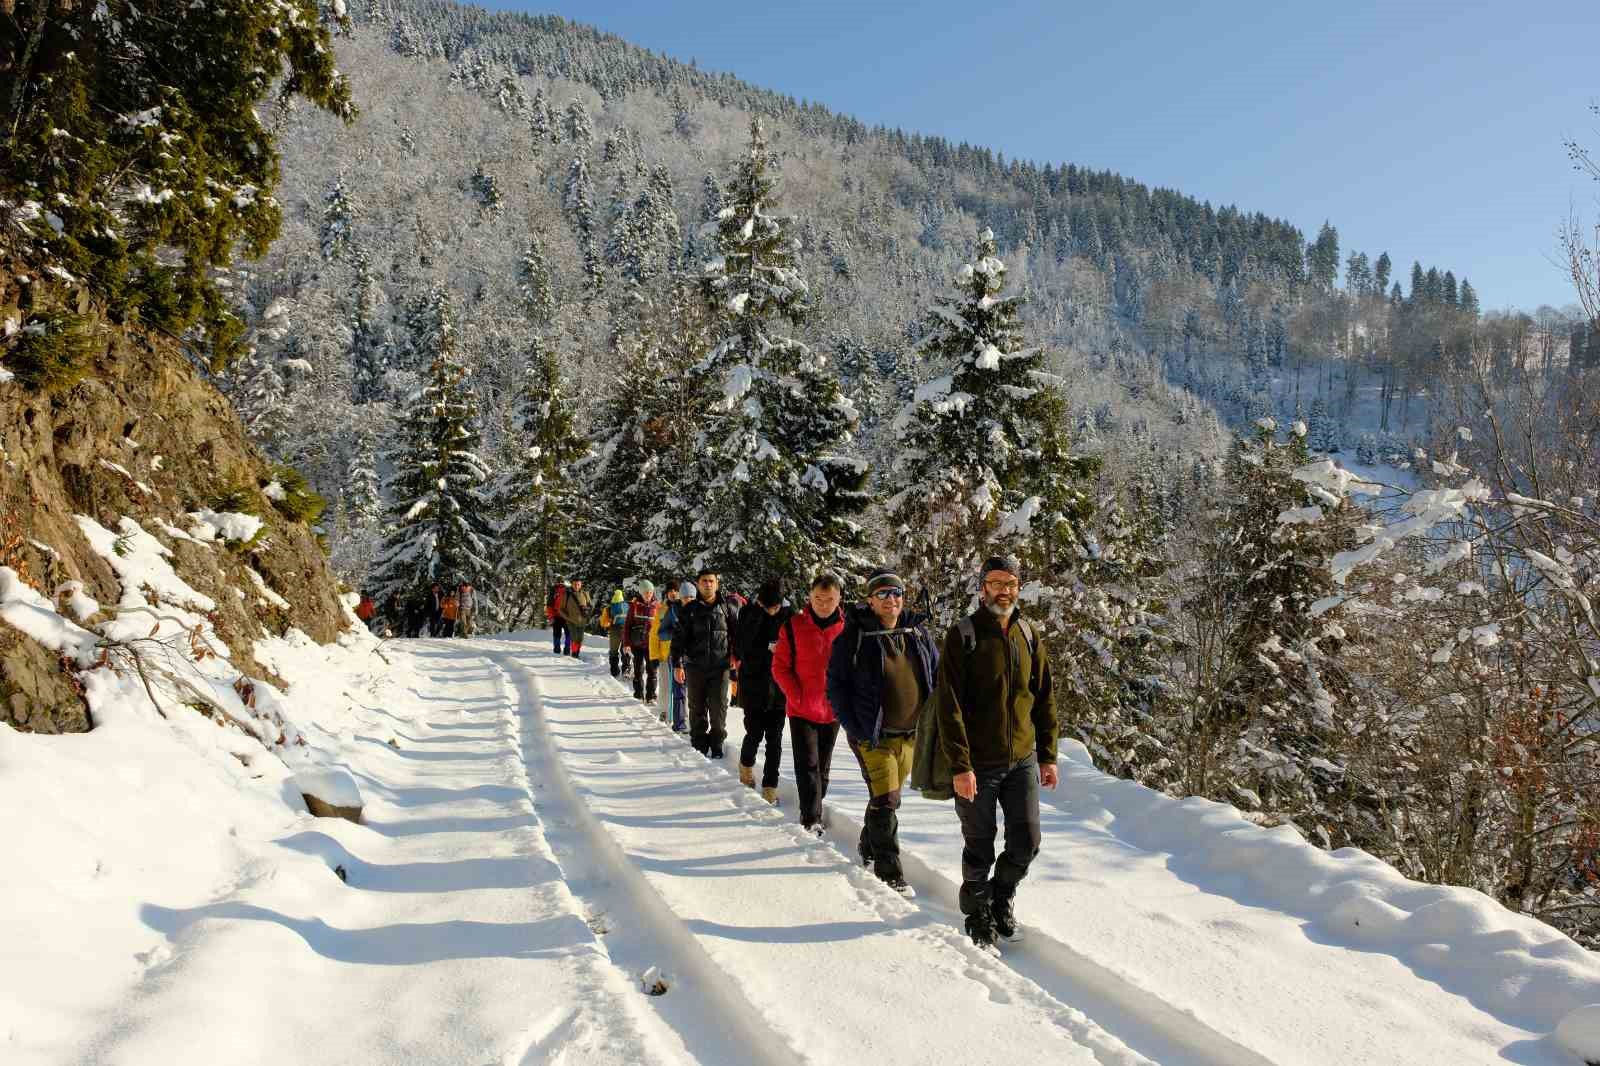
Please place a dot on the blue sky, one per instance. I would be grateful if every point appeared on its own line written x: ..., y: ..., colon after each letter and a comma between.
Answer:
x: 1433, y: 131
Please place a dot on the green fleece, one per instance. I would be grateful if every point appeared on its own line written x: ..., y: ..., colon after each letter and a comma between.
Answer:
x: 995, y: 704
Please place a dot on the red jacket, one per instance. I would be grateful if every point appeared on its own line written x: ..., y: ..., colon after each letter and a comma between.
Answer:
x: 800, y: 664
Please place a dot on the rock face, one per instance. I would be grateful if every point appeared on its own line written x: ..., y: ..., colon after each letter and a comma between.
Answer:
x: 142, y: 435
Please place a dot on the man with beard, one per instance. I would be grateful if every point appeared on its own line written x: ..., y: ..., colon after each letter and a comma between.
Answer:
x: 998, y: 726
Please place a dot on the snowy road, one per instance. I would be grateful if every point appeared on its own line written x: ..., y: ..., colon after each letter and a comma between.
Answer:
x: 535, y: 840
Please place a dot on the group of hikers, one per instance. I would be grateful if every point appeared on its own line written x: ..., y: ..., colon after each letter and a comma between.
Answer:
x: 444, y: 611
x: 970, y: 717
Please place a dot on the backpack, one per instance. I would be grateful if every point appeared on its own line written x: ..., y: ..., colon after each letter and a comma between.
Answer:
x: 450, y: 608
x: 558, y: 598
x: 969, y: 635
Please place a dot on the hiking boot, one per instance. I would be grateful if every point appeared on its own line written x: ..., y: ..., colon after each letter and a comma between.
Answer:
x: 770, y: 794
x: 899, y: 885
x: 980, y: 927
x: 715, y: 753
x: 747, y: 776
x: 864, y: 849
x: 1005, y: 919
x: 815, y: 829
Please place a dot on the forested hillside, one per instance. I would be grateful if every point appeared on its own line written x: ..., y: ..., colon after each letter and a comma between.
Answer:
x: 555, y: 304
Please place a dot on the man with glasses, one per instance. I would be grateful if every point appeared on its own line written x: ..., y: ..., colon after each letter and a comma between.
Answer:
x: 998, y: 726
x: 880, y: 671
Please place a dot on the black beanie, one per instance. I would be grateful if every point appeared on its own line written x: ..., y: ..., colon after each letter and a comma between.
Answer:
x: 1004, y: 563
x: 884, y: 578
x: 770, y: 594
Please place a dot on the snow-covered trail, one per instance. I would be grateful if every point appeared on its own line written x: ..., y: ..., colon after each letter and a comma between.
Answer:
x: 456, y: 939
x: 794, y: 951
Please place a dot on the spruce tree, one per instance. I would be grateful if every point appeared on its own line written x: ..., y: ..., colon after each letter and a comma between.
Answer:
x: 534, y: 288
x: 1273, y: 713
x: 135, y: 148
x: 369, y: 342
x: 538, y: 500
x: 339, y: 214
x: 575, y: 124
x: 766, y: 486
x: 437, y: 528
x: 968, y: 435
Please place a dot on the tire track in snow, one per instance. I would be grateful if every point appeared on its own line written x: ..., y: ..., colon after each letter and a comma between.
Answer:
x: 955, y: 956
x: 1143, y: 1021
x: 705, y: 1012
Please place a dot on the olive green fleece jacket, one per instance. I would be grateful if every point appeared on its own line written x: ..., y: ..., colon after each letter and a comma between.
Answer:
x: 995, y: 704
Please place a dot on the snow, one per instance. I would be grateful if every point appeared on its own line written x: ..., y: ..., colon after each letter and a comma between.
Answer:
x: 209, y: 525
x: 331, y: 785
x: 539, y: 851
x: 23, y: 608
x: 1579, y: 1033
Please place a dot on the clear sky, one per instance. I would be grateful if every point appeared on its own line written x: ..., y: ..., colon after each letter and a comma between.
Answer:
x: 1431, y: 130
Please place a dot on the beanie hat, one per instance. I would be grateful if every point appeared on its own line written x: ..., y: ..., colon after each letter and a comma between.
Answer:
x: 770, y: 594
x: 617, y: 596
x: 1004, y: 563
x: 646, y: 587
x: 688, y: 591
x: 883, y: 578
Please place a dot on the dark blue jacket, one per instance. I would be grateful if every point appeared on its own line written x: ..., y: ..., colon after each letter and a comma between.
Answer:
x: 855, y: 669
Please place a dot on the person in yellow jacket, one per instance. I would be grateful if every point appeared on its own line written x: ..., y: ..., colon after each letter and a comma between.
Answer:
x: 660, y: 651
x: 613, y: 618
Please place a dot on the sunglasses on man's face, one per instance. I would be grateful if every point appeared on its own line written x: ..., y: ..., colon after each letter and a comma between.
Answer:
x: 890, y: 594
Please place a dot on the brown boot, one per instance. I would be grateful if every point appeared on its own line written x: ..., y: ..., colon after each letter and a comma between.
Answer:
x: 770, y: 794
x: 747, y: 776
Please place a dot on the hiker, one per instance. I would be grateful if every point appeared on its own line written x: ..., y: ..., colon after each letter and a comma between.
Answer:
x: 575, y: 613
x: 997, y: 724
x: 700, y: 660
x: 449, y: 608
x: 641, y: 615
x: 436, y: 609
x: 560, y: 639
x: 881, y: 671
x: 667, y: 630
x: 366, y: 609
x: 800, y: 670
x: 762, y: 701
x: 466, y: 608
x: 613, y: 619
x: 660, y: 649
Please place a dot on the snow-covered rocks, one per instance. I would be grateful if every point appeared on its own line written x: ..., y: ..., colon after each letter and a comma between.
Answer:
x: 227, y: 526
x: 330, y: 793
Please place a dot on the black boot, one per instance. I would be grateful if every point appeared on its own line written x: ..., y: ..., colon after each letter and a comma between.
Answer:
x: 1004, y: 916
x: 980, y: 927
x: 864, y: 848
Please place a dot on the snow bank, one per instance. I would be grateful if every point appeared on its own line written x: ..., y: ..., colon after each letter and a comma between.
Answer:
x: 1510, y: 965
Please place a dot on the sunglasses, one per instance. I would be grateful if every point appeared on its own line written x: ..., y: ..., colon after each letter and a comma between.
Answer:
x: 890, y: 594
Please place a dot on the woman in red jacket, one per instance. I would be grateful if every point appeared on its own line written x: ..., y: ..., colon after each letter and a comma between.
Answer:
x: 800, y: 669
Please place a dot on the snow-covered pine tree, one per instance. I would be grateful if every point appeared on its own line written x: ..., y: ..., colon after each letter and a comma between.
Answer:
x: 538, y: 499
x: 1094, y: 573
x: 967, y: 437
x: 765, y: 486
x: 358, y: 528
x: 1263, y: 586
x: 534, y: 286
x: 579, y: 130
x: 437, y: 529
x: 339, y: 215
x: 369, y: 341
x: 641, y: 428
x: 542, y: 123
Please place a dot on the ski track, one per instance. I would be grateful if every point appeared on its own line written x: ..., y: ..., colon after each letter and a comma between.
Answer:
x: 879, y: 976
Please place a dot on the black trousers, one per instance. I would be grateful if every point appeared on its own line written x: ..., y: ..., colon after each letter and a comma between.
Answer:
x: 644, y: 675
x: 812, y: 745
x: 763, y: 721
x: 708, y: 708
x: 558, y: 629
x: 1016, y: 793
